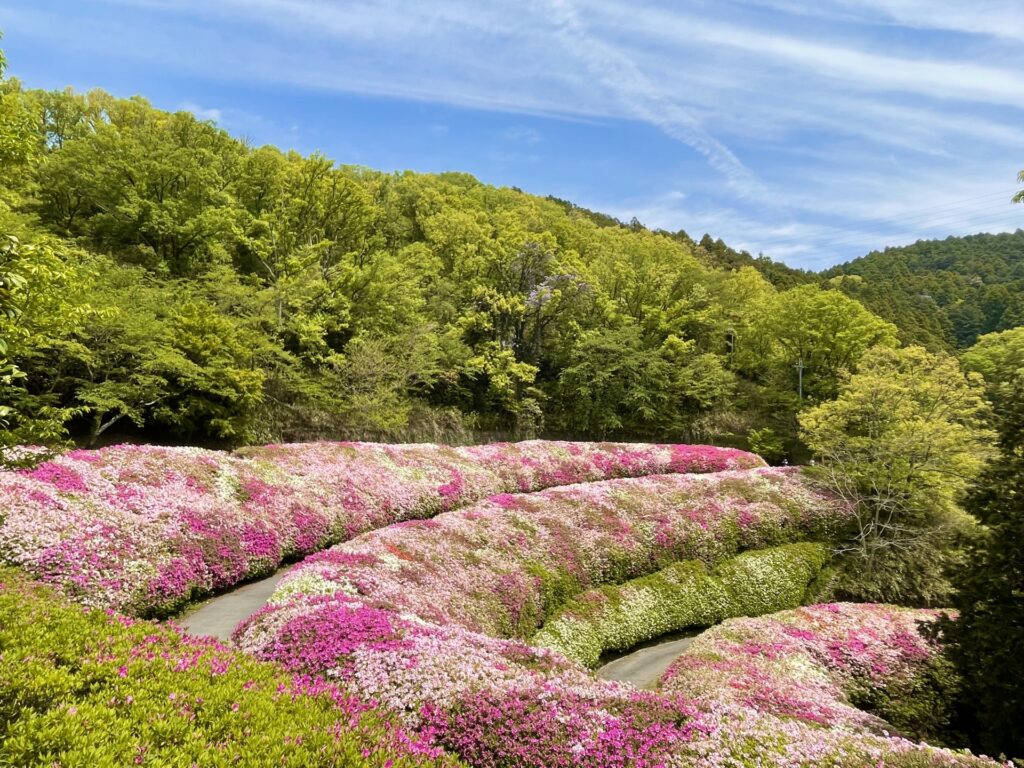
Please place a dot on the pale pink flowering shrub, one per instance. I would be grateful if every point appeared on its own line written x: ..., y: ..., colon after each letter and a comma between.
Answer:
x: 812, y: 664
x: 143, y: 529
x: 421, y: 618
x: 784, y: 689
x: 502, y: 565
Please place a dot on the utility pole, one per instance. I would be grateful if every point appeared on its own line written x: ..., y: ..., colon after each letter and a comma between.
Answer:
x: 800, y: 376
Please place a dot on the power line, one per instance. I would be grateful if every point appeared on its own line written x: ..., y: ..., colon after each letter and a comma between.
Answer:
x: 951, y: 215
x: 922, y: 216
x: 964, y: 203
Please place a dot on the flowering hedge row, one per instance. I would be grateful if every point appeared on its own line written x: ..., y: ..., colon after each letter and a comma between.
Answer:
x: 422, y: 617
x: 829, y: 682
x: 687, y: 594
x: 504, y: 565
x: 87, y: 688
x: 418, y: 616
x: 144, y: 529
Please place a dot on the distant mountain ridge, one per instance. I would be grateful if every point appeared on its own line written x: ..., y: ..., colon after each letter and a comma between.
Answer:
x: 942, y: 293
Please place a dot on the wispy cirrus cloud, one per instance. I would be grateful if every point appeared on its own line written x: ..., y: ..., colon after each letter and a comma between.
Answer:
x: 809, y: 130
x: 989, y: 18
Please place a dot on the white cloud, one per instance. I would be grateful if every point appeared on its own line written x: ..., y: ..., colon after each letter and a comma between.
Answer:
x: 993, y: 18
x: 810, y: 58
x: 204, y: 113
x: 522, y: 135
x: 642, y: 97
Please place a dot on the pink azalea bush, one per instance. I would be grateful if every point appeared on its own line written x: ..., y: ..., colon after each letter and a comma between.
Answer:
x: 143, y: 529
x: 423, y: 617
x: 788, y: 688
x: 502, y: 565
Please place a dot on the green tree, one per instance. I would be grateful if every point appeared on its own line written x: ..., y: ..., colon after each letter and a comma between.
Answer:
x: 12, y: 284
x: 900, y: 444
x: 43, y: 303
x: 999, y: 358
x: 986, y: 642
x: 827, y: 332
x: 148, y: 184
x: 614, y: 385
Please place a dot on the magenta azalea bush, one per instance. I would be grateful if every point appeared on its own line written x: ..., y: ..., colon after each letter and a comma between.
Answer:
x: 144, y: 529
x: 90, y: 688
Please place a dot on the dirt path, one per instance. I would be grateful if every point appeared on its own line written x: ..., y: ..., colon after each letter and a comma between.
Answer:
x: 220, y: 615
x: 643, y: 667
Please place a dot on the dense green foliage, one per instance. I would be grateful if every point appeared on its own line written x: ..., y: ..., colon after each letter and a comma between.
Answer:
x: 900, y: 443
x: 88, y: 688
x: 987, y: 641
x: 999, y: 358
x: 188, y: 286
x: 680, y: 596
x: 718, y: 253
x: 942, y: 293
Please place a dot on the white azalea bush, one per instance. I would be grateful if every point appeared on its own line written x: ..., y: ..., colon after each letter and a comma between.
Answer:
x: 685, y: 594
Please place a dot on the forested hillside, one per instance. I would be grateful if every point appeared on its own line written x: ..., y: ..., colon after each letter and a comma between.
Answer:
x: 942, y: 293
x: 185, y: 286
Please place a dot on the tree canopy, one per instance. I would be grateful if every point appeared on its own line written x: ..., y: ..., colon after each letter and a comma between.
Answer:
x: 987, y: 639
x: 901, y: 443
x: 942, y: 294
x: 183, y: 285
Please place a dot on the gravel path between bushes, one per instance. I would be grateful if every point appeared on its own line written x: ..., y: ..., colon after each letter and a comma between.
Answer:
x: 643, y: 667
x: 219, y: 616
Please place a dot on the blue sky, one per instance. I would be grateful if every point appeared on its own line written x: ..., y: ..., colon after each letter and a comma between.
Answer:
x: 810, y: 130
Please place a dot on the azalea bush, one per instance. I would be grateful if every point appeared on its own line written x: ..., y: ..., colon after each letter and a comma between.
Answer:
x: 425, y: 617
x: 682, y: 595
x: 495, y: 701
x: 145, y: 529
x: 81, y: 687
x: 865, y: 668
x: 502, y: 566
x: 422, y: 613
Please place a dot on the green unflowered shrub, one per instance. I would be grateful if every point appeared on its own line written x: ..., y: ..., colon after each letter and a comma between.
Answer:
x: 82, y: 688
x: 685, y: 594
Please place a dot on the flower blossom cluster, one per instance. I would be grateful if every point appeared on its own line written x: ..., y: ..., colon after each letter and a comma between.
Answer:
x: 502, y: 565
x: 425, y: 617
x: 808, y: 663
x: 144, y: 529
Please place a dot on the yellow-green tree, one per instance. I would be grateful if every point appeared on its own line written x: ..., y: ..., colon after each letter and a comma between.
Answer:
x: 900, y: 444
